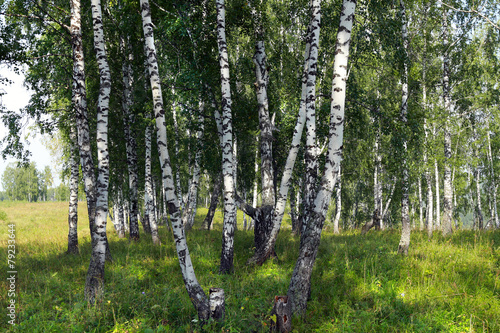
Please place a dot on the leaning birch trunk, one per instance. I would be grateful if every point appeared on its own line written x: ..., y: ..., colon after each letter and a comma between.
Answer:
x: 447, y: 223
x: 194, y: 290
x: 130, y: 143
x: 73, y: 195
x: 311, y: 149
x: 300, y: 283
x: 404, y: 242
x: 94, y: 283
x: 229, y: 224
x: 149, y: 211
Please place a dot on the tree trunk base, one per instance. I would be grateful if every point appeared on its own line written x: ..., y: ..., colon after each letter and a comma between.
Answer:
x: 283, y: 312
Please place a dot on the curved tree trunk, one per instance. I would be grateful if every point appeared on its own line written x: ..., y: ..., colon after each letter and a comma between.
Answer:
x: 195, y: 292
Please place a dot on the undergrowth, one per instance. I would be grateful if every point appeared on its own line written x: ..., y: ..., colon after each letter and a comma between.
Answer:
x: 359, y: 283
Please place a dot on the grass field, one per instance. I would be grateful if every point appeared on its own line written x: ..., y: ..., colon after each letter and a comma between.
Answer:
x: 359, y: 283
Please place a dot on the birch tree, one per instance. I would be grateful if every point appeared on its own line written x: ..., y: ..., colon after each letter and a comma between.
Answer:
x: 195, y: 292
x: 229, y: 223
x: 298, y: 290
x: 73, y: 196
x: 447, y: 222
x: 404, y: 242
x: 95, y: 276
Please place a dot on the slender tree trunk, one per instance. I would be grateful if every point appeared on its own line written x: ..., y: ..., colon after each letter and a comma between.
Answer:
x: 299, y: 288
x: 404, y: 242
x: 437, y: 225
x: 95, y: 276
x: 149, y: 209
x: 130, y: 143
x: 311, y: 150
x: 226, y: 263
x: 214, y: 201
x: 420, y: 205
x: 267, y: 248
x: 195, y: 292
x: 447, y: 224
x: 73, y: 196
x: 190, y: 210
x: 493, y: 185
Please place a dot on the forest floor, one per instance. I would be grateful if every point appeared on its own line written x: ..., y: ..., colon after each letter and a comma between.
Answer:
x: 359, y: 283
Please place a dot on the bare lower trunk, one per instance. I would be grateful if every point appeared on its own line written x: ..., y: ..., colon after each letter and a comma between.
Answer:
x: 149, y: 207
x: 94, y: 283
x: 73, y: 196
x: 229, y: 224
x: 404, y: 242
x: 214, y: 201
x: 447, y: 224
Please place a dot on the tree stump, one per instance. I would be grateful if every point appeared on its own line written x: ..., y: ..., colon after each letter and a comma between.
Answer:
x: 217, y: 304
x: 283, y: 311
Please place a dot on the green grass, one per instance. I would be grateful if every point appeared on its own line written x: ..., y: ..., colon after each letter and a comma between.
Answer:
x: 359, y: 283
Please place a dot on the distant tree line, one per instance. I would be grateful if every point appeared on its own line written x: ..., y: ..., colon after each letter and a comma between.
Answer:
x: 25, y: 182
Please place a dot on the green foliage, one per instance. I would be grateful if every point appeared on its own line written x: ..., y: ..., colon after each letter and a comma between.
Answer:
x: 359, y: 283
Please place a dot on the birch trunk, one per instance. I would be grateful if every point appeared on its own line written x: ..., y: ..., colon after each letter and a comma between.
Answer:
x: 73, y: 196
x: 130, y: 143
x: 300, y: 282
x: 493, y: 186
x: 447, y: 224
x: 311, y: 149
x: 195, y: 292
x: 437, y: 225
x: 149, y: 209
x: 266, y: 250
x: 404, y: 242
x: 214, y: 201
x: 94, y: 283
x: 226, y: 263
x: 190, y: 210
x: 79, y: 100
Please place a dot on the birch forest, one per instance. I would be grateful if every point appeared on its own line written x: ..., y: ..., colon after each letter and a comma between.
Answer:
x: 321, y: 146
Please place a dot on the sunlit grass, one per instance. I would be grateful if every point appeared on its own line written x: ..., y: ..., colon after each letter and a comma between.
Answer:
x: 359, y: 283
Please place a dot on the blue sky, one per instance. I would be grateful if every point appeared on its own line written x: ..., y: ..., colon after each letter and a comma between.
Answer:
x: 16, y: 98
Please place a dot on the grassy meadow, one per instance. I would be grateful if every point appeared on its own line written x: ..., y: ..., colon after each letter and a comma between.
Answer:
x: 359, y: 284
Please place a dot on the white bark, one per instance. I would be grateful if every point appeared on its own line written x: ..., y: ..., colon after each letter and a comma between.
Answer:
x: 493, y: 185
x: 298, y: 290
x: 311, y: 149
x: 95, y: 274
x: 195, y: 292
x: 447, y: 223
x: 73, y: 197
x: 130, y: 143
x: 437, y: 225
x: 404, y: 242
x: 149, y: 207
x: 229, y: 223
